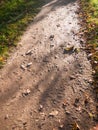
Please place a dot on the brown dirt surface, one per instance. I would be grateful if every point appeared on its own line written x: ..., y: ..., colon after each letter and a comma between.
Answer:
x: 46, y: 83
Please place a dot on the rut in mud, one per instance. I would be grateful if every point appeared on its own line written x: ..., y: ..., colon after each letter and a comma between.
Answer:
x: 47, y: 83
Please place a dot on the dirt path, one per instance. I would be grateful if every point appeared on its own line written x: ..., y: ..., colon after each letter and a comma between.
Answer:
x: 47, y: 83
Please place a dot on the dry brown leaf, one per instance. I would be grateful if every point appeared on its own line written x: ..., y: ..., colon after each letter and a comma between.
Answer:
x: 75, y: 126
x: 69, y: 48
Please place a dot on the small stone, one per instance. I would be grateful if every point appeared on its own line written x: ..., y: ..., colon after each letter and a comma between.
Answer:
x: 29, y: 64
x: 23, y: 67
x: 78, y: 109
x: 72, y: 77
x: 56, y: 57
x: 90, y: 81
x: 40, y: 108
x: 89, y: 55
x: 67, y: 112
x: 29, y: 52
x: 51, y: 37
x: 23, y: 55
x: 26, y: 93
x: 95, y: 62
x: 93, y: 71
x: 53, y: 113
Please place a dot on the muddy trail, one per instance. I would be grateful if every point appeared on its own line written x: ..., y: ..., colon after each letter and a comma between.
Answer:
x: 47, y: 82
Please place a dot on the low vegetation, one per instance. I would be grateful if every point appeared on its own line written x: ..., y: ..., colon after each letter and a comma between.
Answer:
x: 14, y: 17
x: 90, y: 12
x: 90, y: 15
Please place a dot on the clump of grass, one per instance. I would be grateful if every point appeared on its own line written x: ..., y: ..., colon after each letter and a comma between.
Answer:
x: 90, y: 9
x: 14, y: 17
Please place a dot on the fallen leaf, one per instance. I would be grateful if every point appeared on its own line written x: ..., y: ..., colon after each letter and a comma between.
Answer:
x: 69, y: 48
x: 75, y: 126
x: 77, y: 50
x: 1, y: 59
x: 64, y: 102
x: 91, y: 115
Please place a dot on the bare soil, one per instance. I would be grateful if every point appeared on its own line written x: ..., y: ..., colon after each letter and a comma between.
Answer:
x: 46, y: 83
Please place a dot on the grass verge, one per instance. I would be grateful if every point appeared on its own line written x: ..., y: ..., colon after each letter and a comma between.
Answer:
x: 90, y: 15
x: 15, y: 15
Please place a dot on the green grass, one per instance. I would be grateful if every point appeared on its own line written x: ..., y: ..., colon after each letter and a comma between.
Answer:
x: 90, y: 9
x: 15, y: 15
x: 94, y: 11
